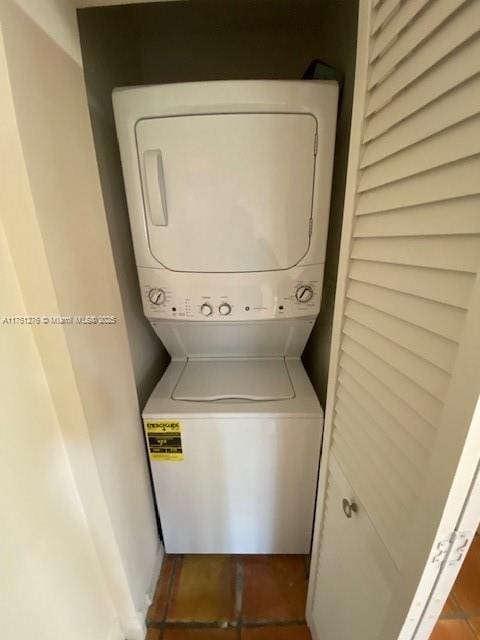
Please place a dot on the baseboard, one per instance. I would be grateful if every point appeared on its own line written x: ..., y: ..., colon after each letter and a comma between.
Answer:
x: 135, y: 628
x: 311, y: 625
x: 115, y: 632
x: 157, y: 567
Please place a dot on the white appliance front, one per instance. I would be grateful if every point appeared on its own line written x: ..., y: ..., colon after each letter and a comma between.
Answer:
x: 227, y: 192
x: 227, y: 177
x: 246, y: 485
x: 247, y: 480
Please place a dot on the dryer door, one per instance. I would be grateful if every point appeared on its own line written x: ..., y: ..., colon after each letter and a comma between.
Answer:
x: 228, y: 192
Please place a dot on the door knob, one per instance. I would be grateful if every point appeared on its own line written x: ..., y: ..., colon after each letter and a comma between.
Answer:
x: 349, y: 507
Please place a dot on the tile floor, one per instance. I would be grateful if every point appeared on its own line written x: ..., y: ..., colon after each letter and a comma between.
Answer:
x: 230, y: 597
x: 460, y: 619
x: 263, y: 598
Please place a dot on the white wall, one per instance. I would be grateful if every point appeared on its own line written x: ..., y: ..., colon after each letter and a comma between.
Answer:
x: 56, y: 230
x: 57, y: 18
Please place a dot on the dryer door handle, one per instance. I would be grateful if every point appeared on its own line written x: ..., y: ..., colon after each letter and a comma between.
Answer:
x: 154, y: 187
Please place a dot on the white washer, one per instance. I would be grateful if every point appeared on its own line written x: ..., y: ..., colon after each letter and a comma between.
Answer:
x: 228, y: 190
x: 250, y: 435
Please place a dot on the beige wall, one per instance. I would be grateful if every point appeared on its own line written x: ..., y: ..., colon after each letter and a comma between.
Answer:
x: 103, y: 72
x: 52, y: 581
x: 212, y: 40
x: 56, y: 229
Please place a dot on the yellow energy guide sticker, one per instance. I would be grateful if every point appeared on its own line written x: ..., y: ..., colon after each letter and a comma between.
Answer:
x: 164, y: 439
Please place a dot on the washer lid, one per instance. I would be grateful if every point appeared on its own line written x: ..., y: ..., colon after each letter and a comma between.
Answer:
x: 228, y: 192
x: 249, y: 379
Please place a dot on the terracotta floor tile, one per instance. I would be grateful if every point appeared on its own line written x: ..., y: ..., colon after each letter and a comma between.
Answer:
x: 275, y: 588
x: 475, y: 624
x: 203, y: 590
x: 452, y: 630
x: 290, y: 632
x: 200, y: 634
x: 156, y: 612
x: 450, y: 607
x: 467, y: 586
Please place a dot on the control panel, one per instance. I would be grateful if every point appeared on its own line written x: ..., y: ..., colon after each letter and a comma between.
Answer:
x: 240, y: 296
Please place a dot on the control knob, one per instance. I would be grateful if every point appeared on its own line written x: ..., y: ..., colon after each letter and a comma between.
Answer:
x: 206, y: 309
x: 304, y: 293
x: 157, y: 296
x: 224, y: 309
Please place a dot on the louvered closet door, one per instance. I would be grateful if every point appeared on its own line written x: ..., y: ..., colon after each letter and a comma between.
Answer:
x: 404, y: 371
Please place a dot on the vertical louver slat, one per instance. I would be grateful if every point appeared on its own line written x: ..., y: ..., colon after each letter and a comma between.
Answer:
x: 428, y: 377
x: 463, y: 25
x: 455, y: 180
x: 348, y: 409
x: 433, y: 348
x: 458, y: 141
x: 450, y: 287
x: 446, y: 321
x: 394, y: 431
x: 405, y: 14
x: 414, y: 409
x: 397, y: 492
x: 384, y: 14
x: 419, y: 29
x: 414, y: 253
x: 434, y: 218
x: 448, y: 110
x: 458, y: 253
x: 448, y: 74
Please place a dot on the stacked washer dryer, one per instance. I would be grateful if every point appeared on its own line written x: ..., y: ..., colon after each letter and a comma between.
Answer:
x: 228, y: 189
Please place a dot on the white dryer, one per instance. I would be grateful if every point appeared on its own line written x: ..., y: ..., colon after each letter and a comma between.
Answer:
x: 228, y: 189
